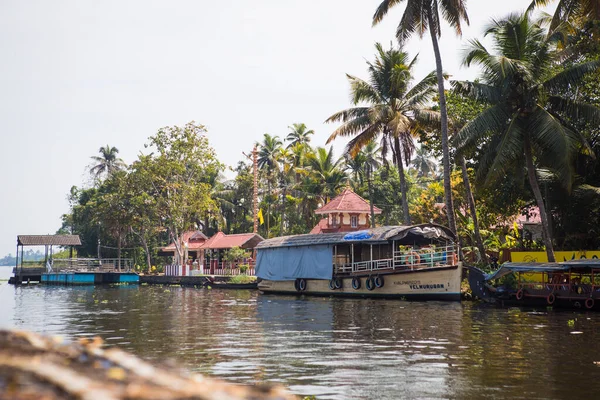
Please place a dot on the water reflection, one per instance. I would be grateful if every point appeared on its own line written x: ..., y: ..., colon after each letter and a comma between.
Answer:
x: 331, y: 348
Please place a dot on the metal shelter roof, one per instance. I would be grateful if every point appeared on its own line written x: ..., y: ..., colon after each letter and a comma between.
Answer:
x: 549, y: 267
x: 48, y: 240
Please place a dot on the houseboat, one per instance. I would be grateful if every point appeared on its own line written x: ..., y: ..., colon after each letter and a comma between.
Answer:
x: 573, y: 283
x: 417, y: 262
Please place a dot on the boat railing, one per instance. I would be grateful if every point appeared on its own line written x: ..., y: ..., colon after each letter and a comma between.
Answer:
x: 420, y: 258
x: 579, y: 288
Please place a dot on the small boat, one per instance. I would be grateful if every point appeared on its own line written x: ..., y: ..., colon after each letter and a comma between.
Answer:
x: 573, y: 283
x: 418, y: 262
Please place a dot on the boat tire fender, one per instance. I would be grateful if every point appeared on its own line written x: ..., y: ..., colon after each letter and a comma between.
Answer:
x: 520, y: 294
x: 370, y: 283
x: 337, y: 283
x: 331, y: 284
x: 551, y: 298
x: 379, y: 281
x: 296, y: 285
x: 302, y: 284
x: 589, y: 303
x: 355, y: 283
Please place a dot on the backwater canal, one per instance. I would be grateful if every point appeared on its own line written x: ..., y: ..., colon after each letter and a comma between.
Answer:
x: 330, y: 348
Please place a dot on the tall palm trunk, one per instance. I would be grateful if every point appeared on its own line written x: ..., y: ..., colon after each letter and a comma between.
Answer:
x: 444, y: 126
x: 403, y: 188
x: 268, y: 206
x: 471, y: 201
x: 282, y: 209
x: 535, y: 187
x: 370, y: 185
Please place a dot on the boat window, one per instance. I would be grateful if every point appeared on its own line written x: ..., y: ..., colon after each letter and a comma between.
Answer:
x: 354, y: 221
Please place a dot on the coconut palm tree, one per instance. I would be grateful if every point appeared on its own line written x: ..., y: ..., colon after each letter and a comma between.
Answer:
x: 107, y: 163
x: 420, y: 16
x: 423, y: 163
x: 528, y: 119
x: 569, y: 10
x: 299, y: 134
x: 371, y: 154
x: 326, y: 173
x: 393, y: 109
x: 268, y: 161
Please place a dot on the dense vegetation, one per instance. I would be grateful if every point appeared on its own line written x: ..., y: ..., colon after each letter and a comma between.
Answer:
x: 524, y: 134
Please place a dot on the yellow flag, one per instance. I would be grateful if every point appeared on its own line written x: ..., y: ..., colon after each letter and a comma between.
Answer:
x: 261, y: 219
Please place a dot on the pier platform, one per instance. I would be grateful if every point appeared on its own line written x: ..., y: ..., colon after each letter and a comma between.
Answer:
x: 89, y: 278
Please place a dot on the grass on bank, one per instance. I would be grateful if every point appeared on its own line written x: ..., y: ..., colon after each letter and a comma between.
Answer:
x: 242, y: 279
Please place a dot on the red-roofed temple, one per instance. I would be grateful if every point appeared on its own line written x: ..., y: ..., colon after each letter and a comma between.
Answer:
x: 345, y: 213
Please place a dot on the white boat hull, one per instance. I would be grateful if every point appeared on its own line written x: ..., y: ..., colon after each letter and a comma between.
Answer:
x: 442, y: 283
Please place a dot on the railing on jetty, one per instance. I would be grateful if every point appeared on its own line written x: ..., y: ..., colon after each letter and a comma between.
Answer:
x: 78, y: 265
x: 405, y: 259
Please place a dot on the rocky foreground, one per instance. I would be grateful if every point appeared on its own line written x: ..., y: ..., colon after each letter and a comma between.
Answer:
x: 39, y: 367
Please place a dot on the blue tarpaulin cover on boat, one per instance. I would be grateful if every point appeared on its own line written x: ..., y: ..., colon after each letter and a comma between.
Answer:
x: 360, y: 235
x: 289, y: 263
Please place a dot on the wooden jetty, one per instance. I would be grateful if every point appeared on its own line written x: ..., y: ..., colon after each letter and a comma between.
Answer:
x: 38, y: 367
x: 68, y: 271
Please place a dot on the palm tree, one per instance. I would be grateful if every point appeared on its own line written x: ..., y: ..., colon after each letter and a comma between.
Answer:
x: 299, y: 134
x: 420, y: 16
x: 394, y: 109
x: 268, y: 160
x: 423, y: 163
x: 371, y: 156
x: 528, y: 119
x: 268, y: 152
x: 326, y: 173
x: 107, y: 163
x: 569, y: 10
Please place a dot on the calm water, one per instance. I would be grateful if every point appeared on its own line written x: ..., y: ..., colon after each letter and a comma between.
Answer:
x: 331, y: 348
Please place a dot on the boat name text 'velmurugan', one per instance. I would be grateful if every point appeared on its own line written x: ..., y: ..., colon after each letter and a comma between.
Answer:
x: 415, y: 285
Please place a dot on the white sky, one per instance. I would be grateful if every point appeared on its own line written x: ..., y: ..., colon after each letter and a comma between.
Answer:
x: 77, y: 75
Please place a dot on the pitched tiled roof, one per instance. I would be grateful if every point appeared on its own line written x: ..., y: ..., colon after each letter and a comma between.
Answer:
x: 223, y: 241
x: 319, y: 227
x: 348, y: 201
x: 49, y: 240
x: 194, y: 240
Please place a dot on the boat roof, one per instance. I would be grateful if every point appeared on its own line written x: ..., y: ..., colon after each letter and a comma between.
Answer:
x: 381, y: 234
x: 510, y: 267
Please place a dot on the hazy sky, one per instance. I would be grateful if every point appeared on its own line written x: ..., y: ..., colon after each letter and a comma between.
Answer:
x: 77, y: 75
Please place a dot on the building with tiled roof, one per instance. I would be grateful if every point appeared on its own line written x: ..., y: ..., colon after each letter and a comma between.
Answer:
x: 222, y: 241
x: 345, y: 213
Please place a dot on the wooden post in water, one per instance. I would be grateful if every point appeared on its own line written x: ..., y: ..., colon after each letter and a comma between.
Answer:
x: 17, y: 260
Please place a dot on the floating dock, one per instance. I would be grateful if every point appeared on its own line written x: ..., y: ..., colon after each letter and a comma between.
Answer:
x: 89, y: 278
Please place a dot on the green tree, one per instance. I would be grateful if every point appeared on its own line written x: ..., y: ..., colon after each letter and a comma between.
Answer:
x: 326, y: 173
x: 268, y: 161
x: 570, y: 10
x: 180, y: 170
x: 423, y: 163
x: 299, y: 134
x: 394, y: 109
x: 107, y: 163
x: 420, y: 16
x: 526, y: 119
